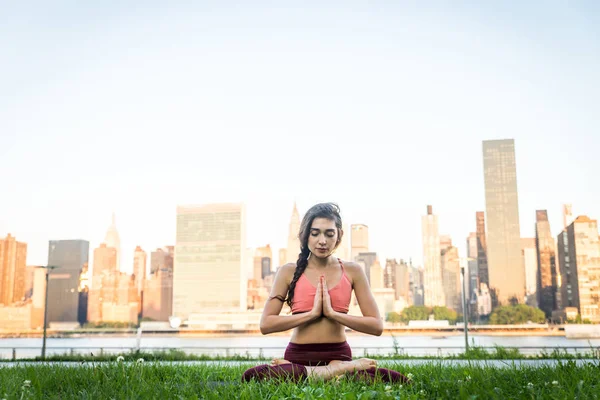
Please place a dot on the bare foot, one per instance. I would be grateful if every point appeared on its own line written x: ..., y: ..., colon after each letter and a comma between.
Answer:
x: 363, y: 363
x: 278, y: 361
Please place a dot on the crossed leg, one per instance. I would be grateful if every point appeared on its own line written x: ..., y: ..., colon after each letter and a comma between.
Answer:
x: 334, y: 369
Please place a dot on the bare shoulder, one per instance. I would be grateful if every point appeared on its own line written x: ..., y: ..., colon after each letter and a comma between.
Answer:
x: 353, y: 269
x: 286, y: 271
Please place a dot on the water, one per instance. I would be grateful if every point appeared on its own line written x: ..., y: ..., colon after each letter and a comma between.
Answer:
x: 273, y: 346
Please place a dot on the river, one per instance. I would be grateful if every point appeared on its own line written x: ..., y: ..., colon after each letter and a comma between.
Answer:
x: 273, y: 346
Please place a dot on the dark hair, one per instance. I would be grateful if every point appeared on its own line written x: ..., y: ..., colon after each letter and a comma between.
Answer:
x: 330, y: 211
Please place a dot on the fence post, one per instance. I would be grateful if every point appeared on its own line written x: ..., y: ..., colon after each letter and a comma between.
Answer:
x: 14, y: 354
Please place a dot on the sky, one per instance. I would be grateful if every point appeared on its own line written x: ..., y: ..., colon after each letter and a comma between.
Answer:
x: 382, y: 107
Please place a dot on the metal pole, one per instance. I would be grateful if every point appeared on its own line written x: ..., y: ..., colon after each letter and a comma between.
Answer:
x: 465, y: 311
x: 45, y: 319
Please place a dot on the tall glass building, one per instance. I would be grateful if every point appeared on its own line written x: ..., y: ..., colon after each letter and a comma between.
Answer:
x: 506, y: 272
x: 71, y: 256
x: 208, y: 272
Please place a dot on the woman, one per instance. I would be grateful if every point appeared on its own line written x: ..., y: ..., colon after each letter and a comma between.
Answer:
x: 318, y: 289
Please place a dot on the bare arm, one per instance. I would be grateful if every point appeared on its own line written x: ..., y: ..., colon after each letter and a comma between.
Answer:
x: 370, y: 322
x: 271, y: 321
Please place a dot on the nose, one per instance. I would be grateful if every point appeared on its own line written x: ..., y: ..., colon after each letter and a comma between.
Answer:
x: 322, y: 239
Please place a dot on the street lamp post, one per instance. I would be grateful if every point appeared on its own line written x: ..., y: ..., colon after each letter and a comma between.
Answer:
x: 48, y: 269
x: 465, y: 311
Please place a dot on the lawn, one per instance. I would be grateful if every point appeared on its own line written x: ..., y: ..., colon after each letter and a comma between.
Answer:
x: 146, y: 380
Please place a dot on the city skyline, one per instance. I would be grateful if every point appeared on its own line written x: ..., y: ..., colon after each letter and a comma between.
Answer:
x: 148, y: 108
x: 128, y: 264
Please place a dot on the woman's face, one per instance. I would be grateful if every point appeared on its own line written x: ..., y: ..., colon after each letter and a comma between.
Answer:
x: 323, y: 237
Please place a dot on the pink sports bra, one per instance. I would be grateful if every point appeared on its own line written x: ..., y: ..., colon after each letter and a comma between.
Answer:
x: 304, y: 294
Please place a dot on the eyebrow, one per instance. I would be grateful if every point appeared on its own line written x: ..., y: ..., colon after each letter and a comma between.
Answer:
x: 326, y: 230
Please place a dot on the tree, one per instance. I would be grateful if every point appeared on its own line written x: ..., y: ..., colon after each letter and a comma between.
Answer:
x: 444, y: 313
x: 415, y: 313
x: 517, y: 314
x: 393, y: 317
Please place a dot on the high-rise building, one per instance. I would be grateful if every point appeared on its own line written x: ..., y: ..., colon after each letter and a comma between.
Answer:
x: 567, y: 210
x: 139, y: 269
x: 162, y: 259
x: 445, y: 242
x: 416, y: 286
x: 397, y: 277
x: 209, y: 273
x: 432, y: 276
x: 103, y: 282
x: 13, y: 261
x: 530, y: 265
x: 259, y: 264
x: 546, y: 262
x: 71, y: 256
x: 472, y: 254
x: 359, y: 240
x: 482, y: 261
x: 293, y: 242
x: 450, y: 264
x: 505, y: 267
x: 113, y: 240
x: 158, y: 295
x: 579, y: 260
x: 283, y: 258
x: 366, y: 260
x: 376, y: 275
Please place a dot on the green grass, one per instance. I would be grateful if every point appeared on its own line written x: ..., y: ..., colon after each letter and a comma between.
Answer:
x: 148, y: 381
x: 474, y: 353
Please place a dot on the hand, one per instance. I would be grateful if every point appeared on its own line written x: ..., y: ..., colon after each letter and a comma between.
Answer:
x: 327, y: 308
x: 317, y: 310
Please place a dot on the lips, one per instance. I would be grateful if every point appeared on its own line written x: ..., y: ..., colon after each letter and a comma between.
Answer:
x: 321, y: 249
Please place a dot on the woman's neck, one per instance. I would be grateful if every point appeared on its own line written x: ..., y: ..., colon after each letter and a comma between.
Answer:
x: 320, y: 262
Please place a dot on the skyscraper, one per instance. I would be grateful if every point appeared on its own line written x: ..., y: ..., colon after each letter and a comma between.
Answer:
x: 71, y: 256
x: 13, y: 259
x: 366, y: 260
x: 530, y: 265
x: 103, y: 282
x: 139, y: 268
x: 567, y: 215
x: 262, y: 259
x: 432, y: 276
x: 209, y: 273
x: 359, y: 240
x: 293, y: 243
x: 546, y: 262
x: 397, y: 276
x: 162, y: 259
x: 579, y: 260
x: 450, y: 264
x: 505, y: 266
x: 113, y: 240
x: 482, y: 261
x: 473, y: 278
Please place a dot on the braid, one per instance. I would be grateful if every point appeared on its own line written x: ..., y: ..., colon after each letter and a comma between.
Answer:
x: 301, y: 265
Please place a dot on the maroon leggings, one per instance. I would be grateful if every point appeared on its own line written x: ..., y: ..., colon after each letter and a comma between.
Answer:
x: 318, y: 354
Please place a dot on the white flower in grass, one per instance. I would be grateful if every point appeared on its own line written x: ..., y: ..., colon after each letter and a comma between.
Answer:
x: 388, y: 388
x: 530, y: 385
x: 120, y: 359
x: 422, y: 393
x: 410, y: 376
x: 555, y: 383
x: 468, y: 378
x: 460, y: 381
x: 26, y: 383
x: 140, y: 361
